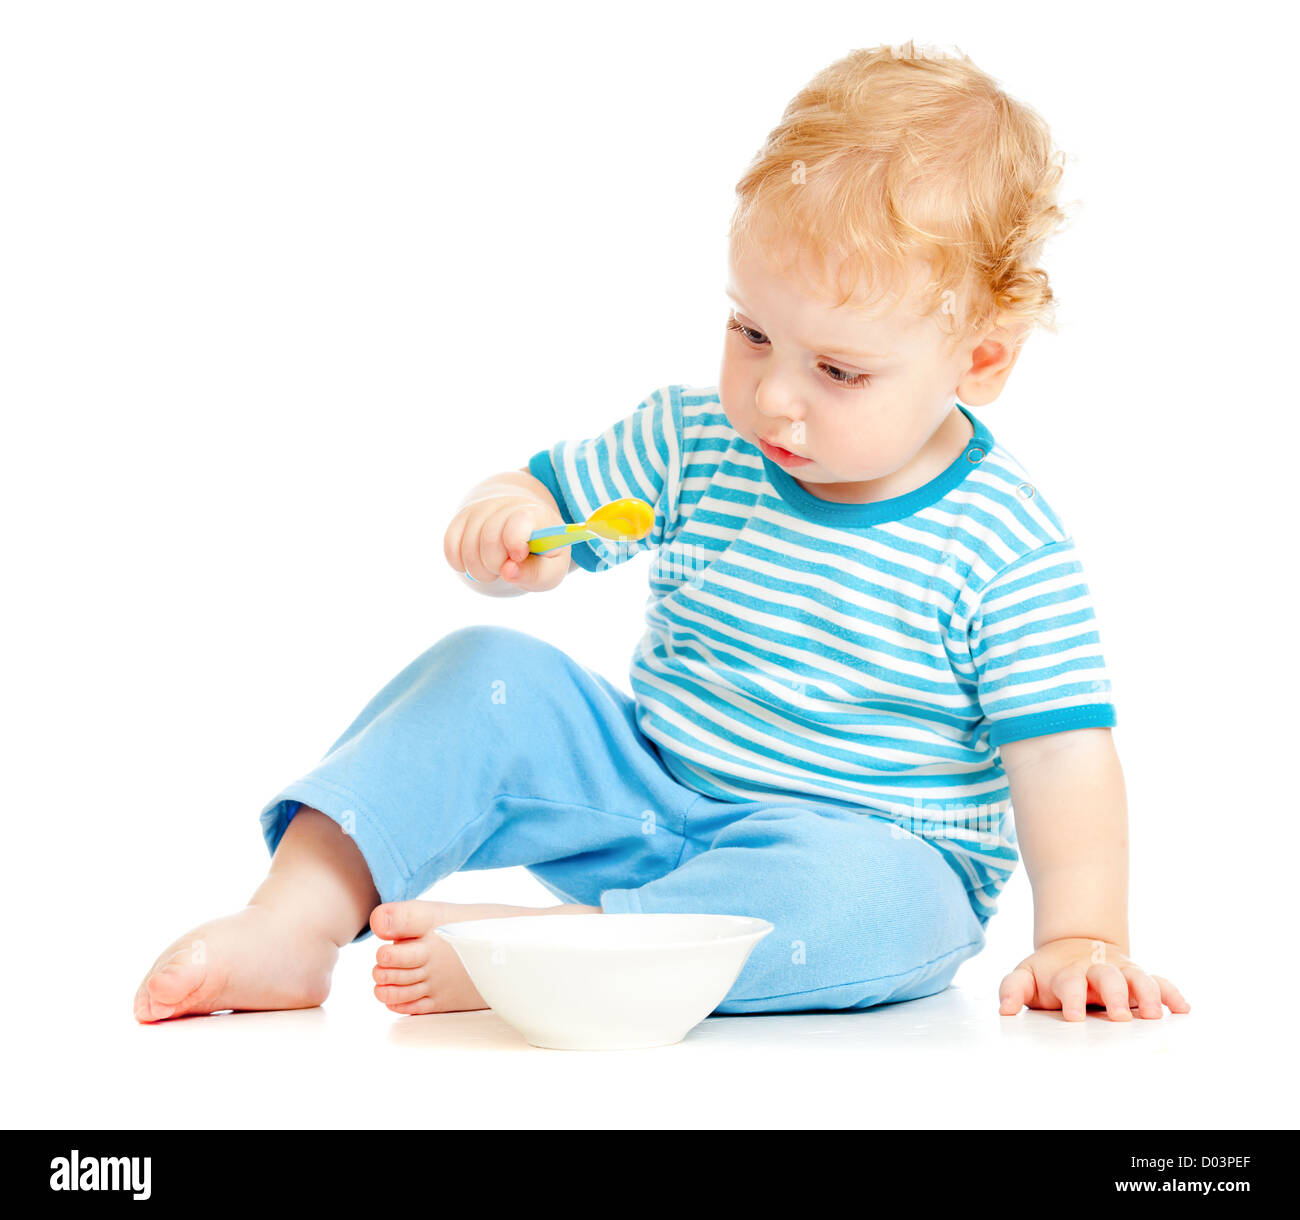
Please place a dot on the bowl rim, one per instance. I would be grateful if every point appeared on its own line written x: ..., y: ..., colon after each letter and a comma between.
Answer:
x: 758, y: 929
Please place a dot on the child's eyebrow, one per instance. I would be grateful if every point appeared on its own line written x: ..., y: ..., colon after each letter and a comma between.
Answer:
x: 851, y: 353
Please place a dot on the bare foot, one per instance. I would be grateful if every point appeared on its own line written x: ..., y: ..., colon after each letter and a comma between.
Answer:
x: 257, y: 958
x: 420, y: 972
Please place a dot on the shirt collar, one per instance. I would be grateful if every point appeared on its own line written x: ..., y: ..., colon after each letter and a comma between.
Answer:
x: 832, y: 512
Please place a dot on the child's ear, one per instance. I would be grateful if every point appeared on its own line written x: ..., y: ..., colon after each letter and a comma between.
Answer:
x: 992, y: 357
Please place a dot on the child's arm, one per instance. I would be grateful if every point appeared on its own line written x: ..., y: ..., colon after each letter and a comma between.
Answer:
x: 1071, y: 816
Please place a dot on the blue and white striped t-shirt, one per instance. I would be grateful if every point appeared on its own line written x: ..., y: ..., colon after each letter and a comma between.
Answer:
x: 874, y: 655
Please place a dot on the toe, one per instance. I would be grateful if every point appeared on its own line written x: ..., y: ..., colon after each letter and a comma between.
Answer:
x: 401, y: 995
x: 140, y: 1002
x: 399, y: 978
x: 169, y: 987
x: 406, y: 955
x: 417, y: 1008
x: 404, y: 920
x: 153, y: 1001
x: 144, y: 1008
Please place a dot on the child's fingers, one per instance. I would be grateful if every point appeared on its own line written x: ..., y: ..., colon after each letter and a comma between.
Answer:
x: 451, y: 541
x: 523, y: 567
x: 485, y: 549
x: 465, y: 542
x: 489, y: 539
x: 1145, y: 992
x: 1070, y: 986
x: 1016, y: 991
x: 514, y: 533
x: 538, y: 572
x: 1112, y: 988
x: 1171, y: 995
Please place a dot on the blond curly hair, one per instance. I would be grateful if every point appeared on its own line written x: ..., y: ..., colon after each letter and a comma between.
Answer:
x: 897, y: 154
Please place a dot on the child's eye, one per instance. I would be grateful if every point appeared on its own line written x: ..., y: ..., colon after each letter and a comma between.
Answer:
x: 754, y: 336
x: 838, y: 376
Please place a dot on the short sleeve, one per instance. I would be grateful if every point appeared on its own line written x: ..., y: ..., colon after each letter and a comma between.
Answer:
x: 638, y: 456
x: 1036, y: 649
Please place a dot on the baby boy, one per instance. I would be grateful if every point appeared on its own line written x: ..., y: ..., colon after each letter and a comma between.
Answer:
x: 869, y: 638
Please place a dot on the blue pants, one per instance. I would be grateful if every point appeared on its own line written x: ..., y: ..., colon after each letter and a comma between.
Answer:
x: 496, y: 749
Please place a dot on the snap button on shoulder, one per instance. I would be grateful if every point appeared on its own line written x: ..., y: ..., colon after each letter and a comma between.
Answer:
x: 1025, y: 491
x: 975, y: 454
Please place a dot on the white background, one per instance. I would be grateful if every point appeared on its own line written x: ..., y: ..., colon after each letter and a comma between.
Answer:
x: 280, y: 281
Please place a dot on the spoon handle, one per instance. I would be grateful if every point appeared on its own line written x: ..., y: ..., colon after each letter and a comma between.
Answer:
x: 549, y: 539
x: 549, y: 543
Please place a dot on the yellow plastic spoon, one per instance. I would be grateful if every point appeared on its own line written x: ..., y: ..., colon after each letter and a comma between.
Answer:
x: 623, y: 520
x: 619, y: 520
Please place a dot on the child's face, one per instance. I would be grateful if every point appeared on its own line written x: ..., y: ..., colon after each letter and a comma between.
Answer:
x: 859, y: 397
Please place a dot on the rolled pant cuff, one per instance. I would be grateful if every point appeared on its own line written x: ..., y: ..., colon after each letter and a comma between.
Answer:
x: 620, y: 902
x: 390, y: 877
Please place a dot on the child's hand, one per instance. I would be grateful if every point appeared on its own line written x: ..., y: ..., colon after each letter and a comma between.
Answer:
x: 489, y: 539
x: 1068, y: 974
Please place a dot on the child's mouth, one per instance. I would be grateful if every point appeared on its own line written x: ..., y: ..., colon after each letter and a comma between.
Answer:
x: 784, y: 456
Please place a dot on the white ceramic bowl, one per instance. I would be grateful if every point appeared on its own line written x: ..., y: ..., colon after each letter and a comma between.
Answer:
x: 604, y: 982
